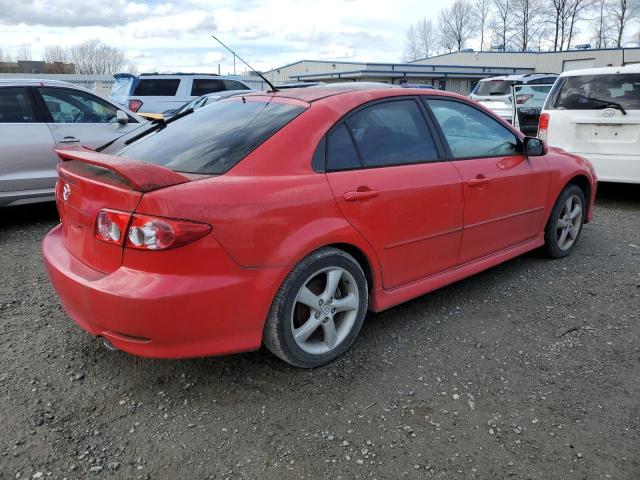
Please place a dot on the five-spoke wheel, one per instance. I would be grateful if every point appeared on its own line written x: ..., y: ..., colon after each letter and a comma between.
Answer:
x: 565, y: 222
x: 319, y: 309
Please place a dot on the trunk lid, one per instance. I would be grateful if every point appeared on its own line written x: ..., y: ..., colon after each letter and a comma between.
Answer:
x: 606, y: 132
x: 89, y: 182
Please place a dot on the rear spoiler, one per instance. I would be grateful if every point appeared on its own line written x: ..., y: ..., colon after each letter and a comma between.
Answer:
x: 141, y: 176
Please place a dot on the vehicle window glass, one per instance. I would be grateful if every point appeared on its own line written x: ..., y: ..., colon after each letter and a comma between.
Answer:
x: 341, y: 152
x: 234, y: 85
x: 212, y: 140
x: 493, y: 87
x: 471, y: 133
x: 73, y: 106
x: 202, y: 86
x: 157, y: 87
x: 596, y: 92
x: 392, y: 133
x: 15, y: 106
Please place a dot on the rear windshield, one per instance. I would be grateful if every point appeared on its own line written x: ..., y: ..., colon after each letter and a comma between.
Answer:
x: 212, y: 140
x: 493, y: 87
x: 594, y: 92
x: 157, y: 87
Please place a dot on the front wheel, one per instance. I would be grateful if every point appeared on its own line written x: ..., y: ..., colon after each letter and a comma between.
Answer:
x: 319, y: 309
x: 565, y: 222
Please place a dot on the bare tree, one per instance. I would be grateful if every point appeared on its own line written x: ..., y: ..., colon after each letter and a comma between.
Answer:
x: 501, y: 24
x: 600, y: 23
x: 622, y: 13
x: 457, y: 25
x: 575, y: 14
x: 483, y: 15
x: 527, y: 22
x: 426, y: 37
x: 23, y: 53
x: 411, y: 45
x: 55, y: 53
x: 93, y: 57
x: 5, y: 57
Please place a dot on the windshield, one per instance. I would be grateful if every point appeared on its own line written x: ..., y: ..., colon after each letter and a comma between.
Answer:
x: 213, y: 139
x: 493, y: 87
x: 595, y: 92
x: 121, y: 89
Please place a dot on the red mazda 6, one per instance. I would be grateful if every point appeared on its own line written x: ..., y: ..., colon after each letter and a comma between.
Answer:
x: 282, y: 218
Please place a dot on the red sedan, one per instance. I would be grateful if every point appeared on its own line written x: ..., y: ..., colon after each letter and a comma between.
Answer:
x: 282, y: 218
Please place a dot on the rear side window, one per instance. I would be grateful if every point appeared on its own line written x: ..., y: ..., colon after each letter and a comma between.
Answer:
x: 493, y: 87
x: 392, y: 133
x: 471, y: 133
x: 596, y: 92
x: 213, y: 139
x: 157, y: 87
x: 234, y: 85
x: 202, y: 86
x: 15, y: 106
x: 341, y: 153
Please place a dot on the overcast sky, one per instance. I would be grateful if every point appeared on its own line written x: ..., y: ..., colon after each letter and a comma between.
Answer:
x: 175, y: 36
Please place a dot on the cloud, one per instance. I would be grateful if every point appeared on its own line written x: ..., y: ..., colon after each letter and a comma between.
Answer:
x: 61, y: 13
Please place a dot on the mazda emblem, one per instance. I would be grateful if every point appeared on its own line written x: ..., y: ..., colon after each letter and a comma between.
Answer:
x: 66, y: 192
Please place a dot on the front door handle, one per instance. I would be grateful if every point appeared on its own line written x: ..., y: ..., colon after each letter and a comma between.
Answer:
x: 360, y: 195
x: 69, y: 140
x: 479, y: 181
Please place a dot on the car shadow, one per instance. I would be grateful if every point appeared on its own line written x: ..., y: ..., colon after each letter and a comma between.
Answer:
x: 24, y: 215
x: 620, y: 195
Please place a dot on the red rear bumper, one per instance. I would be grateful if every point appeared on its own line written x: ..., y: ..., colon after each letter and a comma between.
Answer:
x: 164, y: 315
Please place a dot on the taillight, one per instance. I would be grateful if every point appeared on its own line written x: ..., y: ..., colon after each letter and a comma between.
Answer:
x: 522, y: 99
x: 144, y: 232
x: 134, y: 105
x: 543, y: 126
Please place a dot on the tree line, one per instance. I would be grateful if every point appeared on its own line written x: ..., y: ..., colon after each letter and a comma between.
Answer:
x: 522, y: 25
x: 91, y: 58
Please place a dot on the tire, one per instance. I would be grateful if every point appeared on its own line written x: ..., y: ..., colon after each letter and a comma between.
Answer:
x: 565, y: 222
x: 299, y: 326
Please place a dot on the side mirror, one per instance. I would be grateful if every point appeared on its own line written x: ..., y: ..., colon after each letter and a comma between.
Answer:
x: 534, y: 147
x: 122, y: 117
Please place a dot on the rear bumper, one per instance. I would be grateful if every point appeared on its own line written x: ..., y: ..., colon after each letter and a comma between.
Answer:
x: 615, y: 168
x: 161, y: 315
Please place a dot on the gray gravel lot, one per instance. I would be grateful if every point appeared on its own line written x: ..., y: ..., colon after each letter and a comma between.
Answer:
x: 530, y: 370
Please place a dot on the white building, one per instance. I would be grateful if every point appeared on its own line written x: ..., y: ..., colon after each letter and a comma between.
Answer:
x: 457, y: 72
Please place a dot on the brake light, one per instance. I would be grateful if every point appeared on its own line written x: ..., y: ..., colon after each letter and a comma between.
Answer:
x: 152, y: 233
x: 144, y: 232
x: 522, y: 99
x: 543, y: 126
x: 111, y: 226
x: 134, y: 105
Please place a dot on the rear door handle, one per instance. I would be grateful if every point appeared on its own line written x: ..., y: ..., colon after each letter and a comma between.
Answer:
x: 478, y: 181
x: 360, y: 195
x: 69, y: 140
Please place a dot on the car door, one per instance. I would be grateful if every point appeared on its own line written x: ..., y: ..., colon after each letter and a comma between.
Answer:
x: 385, y: 169
x: 81, y: 118
x: 27, y: 162
x: 505, y: 193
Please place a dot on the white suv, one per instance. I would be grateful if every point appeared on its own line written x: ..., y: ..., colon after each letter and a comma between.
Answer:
x: 157, y: 93
x: 596, y: 114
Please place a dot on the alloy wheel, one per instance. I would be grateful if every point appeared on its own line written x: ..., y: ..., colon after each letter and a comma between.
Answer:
x: 569, y: 222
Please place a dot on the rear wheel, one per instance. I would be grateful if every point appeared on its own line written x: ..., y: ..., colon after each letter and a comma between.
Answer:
x: 565, y: 222
x: 319, y: 309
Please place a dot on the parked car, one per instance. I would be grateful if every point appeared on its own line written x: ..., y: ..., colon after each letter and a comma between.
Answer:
x: 596, y: 113
x: 495, y: 92
x: 156, y: 93
x: 35, y: 116
x: 282, y: 218
x: 203, y: 100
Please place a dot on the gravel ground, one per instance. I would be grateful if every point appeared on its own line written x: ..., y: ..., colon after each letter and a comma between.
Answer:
x: 530, y: 370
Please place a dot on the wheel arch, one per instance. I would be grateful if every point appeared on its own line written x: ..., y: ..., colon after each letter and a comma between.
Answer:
x: 583, y: 183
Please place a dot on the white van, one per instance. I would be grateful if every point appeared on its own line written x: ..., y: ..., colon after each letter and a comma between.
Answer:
x: 157, y: 93
x: 596, y: 114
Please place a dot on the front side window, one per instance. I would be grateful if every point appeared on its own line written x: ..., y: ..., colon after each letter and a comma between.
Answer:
x: 234, y: 85
x: 202, y: 86
x: 15, y: 106
x: 392, y: 133
x: 74, y: 106
x: 212, y: 140
x: 596, y: 92
x: 471, y: 133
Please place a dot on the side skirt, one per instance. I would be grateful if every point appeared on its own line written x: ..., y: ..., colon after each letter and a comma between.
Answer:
x: 384, y: 299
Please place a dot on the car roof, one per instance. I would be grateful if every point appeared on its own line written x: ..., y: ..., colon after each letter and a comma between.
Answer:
x: 634, y: 68
x: 314, y: 94
x: 29, y: 82
x: 524, y: 77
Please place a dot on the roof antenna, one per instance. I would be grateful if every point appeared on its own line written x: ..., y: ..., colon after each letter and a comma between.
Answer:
x: 273, y: 89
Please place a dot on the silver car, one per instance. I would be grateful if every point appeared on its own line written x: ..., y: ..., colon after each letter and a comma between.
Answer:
x: 35, y: 117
